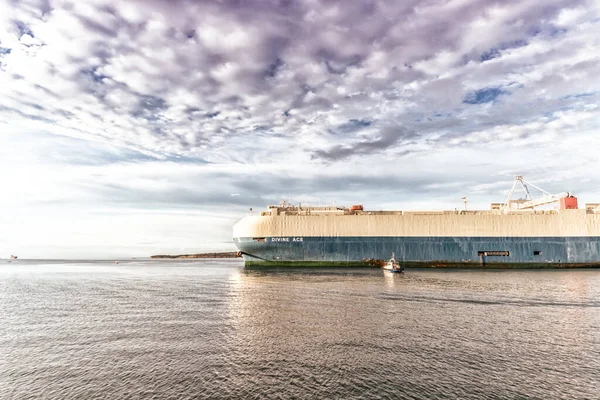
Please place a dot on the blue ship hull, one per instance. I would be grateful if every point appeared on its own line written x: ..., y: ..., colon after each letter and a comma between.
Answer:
x: 473, y: 252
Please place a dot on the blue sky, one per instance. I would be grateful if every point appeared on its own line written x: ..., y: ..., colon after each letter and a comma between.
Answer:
x: 143, y: 127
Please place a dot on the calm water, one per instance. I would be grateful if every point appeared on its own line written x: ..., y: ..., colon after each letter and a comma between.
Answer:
x: 210, y: 329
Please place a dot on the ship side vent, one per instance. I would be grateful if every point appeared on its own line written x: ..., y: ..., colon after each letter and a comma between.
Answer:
x: 493, y: 253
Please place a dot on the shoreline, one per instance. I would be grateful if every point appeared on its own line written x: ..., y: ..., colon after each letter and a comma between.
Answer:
x: 229, y: 254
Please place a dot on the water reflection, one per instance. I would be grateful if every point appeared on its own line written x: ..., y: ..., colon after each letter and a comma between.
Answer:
x: 435, y: 331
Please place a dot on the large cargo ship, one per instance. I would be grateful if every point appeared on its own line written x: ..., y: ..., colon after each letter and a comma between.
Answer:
x: 512, y: 234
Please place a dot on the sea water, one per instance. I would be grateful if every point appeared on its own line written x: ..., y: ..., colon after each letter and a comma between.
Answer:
x: 211, y: 329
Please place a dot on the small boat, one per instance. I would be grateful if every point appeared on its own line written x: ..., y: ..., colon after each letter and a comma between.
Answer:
x: 392, y: 265
x: 13, y: 257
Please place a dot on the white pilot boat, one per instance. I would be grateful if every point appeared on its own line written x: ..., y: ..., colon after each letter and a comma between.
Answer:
x: 392, y: 265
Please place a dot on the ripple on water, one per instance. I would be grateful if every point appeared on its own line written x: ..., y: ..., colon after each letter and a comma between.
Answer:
x: 210, y: 329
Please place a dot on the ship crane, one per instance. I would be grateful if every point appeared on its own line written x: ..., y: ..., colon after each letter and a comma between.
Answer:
x: 529, y: 202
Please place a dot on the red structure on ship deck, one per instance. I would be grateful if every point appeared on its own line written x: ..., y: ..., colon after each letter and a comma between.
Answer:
x: 568, y: 203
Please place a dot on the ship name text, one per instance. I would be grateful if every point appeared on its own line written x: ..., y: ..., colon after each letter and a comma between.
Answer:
x: 287, y: 239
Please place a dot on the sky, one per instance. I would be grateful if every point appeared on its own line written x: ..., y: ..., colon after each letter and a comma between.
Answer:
x: 132, y: 128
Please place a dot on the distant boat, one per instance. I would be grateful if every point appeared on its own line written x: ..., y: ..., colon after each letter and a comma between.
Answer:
x: 13, y: 257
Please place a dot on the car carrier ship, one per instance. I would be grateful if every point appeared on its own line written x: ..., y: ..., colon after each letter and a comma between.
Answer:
x: 512, y: 234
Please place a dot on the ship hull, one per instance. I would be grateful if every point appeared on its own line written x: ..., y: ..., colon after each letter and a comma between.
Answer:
x: 414, y: 251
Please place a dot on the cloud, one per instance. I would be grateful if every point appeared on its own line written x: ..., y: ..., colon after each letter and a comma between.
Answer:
x: 382, y: 140
x: 267, y: 99
x: 133, y: 72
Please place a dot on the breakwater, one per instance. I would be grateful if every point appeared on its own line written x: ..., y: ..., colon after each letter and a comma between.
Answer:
x: 230, y: 254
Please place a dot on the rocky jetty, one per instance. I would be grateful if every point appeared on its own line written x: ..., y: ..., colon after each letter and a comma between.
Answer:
x: 231, y: 254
